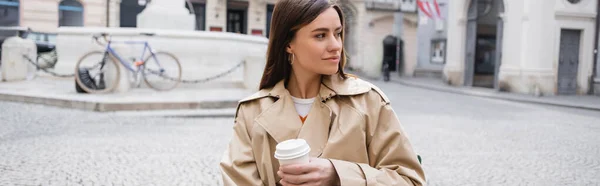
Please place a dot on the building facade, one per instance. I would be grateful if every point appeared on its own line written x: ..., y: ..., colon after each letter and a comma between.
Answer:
x: 48, y: 15
x: 432, y: 41
x: 532, y: 47
x: 368, y: 22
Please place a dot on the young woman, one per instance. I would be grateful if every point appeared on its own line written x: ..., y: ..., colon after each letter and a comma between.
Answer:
x: 354, y: 135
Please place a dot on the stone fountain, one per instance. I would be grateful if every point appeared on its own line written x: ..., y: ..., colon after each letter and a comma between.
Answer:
x: 166, y: 14
x: 201, y: 53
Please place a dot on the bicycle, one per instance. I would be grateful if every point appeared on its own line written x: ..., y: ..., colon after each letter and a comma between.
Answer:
x: 157, y: 74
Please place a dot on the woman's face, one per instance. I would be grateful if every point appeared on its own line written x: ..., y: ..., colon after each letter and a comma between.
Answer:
x: 317, y: 47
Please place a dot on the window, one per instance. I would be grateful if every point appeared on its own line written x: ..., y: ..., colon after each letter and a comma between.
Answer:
x: 438, y: 51
x: 235, y: 21
x: 236, y: 16
x: 9, y: 12
x: 70, y: 13
x: 269, y: 17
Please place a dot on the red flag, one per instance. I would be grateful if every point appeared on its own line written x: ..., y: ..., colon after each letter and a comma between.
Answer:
x: 423, y: 9
x: 437, y: 8
x: 428, y: 7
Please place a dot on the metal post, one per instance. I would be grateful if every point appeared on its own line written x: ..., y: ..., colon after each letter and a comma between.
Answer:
x: 595, y: 64
x: 107, y: 13
x: 400, y: 17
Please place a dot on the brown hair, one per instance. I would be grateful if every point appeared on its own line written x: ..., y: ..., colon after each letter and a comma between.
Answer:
x: 288, y: 17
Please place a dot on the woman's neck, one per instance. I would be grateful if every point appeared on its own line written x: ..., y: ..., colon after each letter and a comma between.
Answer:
x: 304, y: 85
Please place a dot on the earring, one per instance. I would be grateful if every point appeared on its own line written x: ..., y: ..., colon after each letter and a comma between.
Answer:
x: 292, y: 61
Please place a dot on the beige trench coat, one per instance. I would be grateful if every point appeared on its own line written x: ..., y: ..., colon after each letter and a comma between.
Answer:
x: 352, y: 124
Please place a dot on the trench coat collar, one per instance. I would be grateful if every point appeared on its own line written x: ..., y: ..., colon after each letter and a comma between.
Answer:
x: 282, y: 122
x: 331, y: 85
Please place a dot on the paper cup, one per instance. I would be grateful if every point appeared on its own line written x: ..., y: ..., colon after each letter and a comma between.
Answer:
x: 294, y: 151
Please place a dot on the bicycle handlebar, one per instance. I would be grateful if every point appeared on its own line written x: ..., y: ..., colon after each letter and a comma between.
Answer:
x: 103, y: 35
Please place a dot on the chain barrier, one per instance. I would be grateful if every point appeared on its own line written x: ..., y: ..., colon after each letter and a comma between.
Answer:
x: 45, y: 70
x: 49, y: 57
x: 198, y: 81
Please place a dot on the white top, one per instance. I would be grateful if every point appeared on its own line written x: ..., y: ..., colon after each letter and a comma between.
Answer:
x: 303, y: 105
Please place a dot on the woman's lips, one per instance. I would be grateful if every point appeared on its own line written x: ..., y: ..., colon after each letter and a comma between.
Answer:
x: 333, y: 59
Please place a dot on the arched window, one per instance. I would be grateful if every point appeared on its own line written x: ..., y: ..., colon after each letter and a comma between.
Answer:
x: 70, y: 13
x: 9, y: 12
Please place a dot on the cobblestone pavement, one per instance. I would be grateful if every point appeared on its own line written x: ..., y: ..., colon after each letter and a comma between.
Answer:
x: 50, y: 146
x: 467, y: 140
x: 463, y: 140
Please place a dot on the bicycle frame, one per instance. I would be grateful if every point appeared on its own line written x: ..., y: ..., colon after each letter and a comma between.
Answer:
x: 147, y: 47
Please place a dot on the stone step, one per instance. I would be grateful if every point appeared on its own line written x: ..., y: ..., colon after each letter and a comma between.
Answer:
x: 60, y: 92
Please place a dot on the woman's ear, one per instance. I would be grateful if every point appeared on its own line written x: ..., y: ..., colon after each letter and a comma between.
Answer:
x: 288, y: 49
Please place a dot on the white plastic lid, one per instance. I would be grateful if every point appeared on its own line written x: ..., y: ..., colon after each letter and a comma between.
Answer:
x: 291, y: 149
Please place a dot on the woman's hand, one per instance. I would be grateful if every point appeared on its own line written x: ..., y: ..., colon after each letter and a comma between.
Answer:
x: 316, y: 173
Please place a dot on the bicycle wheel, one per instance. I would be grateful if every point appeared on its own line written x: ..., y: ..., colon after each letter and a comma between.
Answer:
x: 162, y: 71
x: 96, y: 72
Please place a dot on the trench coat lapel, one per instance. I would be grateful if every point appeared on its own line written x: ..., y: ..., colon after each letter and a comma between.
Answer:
x: 281, y: 119
x: 316, y: 127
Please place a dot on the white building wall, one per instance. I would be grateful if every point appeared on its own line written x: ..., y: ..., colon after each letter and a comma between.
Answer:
x: 409, y: 36
x: 457, y: 18
x: 359, y: 59
x: 216, y: 14
x: 114, y: 13
x: 94, y: 12
x: 514, y: 24
x: 257, y: 16
x: 530, y: 44
x: 40, y: 15
x: 355, y: 56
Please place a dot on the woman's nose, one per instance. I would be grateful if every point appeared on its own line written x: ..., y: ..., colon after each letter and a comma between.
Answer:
x: 335, y: 43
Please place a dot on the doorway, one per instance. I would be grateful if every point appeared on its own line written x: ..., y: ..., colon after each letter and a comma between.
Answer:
x: 568, y: 61
x: 483, y: 54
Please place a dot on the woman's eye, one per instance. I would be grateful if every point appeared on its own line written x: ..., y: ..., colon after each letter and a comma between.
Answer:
x: 320, y: 36
x: 339, y: 34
